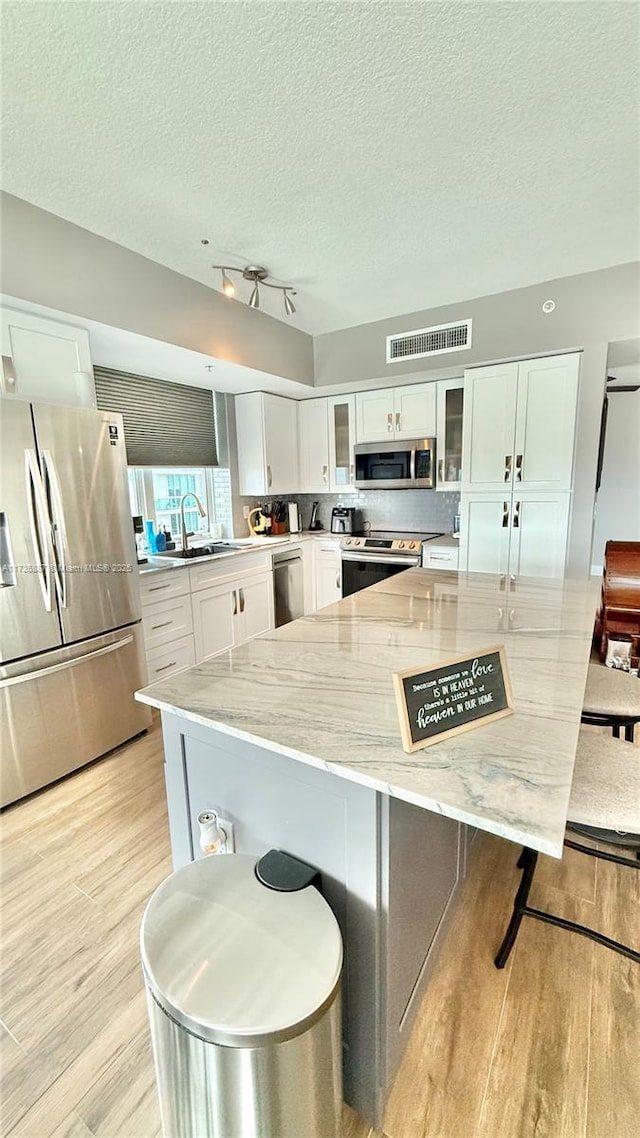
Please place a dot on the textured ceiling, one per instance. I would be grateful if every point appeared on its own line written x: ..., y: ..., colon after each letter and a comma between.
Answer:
x: 384, y: 157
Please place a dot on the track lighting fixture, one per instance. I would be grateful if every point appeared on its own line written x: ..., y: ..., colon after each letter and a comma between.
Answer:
x: 258, y: 275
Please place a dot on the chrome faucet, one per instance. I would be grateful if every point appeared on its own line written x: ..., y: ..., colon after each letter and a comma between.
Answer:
x: 184, y: 536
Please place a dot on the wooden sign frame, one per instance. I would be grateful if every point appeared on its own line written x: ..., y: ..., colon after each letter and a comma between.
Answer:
x: 411, y: 744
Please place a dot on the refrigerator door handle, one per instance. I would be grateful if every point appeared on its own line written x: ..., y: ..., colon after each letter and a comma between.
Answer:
x: 58, y: 531
x: 39, y: 525
x: 28, y: 676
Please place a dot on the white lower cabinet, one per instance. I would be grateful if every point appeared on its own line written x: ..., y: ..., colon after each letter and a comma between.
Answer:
x: 328, y: 573
x: 441, y: 556
x: 167, y: 623
x: 170, y: 658
x: 227, y: 614
x: 214, y: 620
x: 193, y: 614
x: 522, y: 534
x: 255, y: 605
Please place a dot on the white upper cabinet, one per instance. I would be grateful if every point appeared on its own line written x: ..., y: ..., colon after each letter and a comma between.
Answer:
x: 414, y: 411
x: 396, y: 413
x: 449, y: 405
x: 267, y: 428
x: 342, y: 437
x: 519, y: 425
x: 45, y: 361
x: 313, y: 424
x: 545, y: 423
x: 374, y: 416
x: 489, y: 427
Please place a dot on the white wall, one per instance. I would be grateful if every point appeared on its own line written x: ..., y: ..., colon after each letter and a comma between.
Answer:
x: 618, y: 504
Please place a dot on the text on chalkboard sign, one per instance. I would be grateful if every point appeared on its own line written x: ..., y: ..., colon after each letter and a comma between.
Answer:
x: 457, y: 695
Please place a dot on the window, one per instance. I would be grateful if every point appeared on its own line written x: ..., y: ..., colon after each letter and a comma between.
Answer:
x: 156, y: 494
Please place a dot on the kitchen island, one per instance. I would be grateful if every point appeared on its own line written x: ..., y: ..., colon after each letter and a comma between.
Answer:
x: 294, y: 737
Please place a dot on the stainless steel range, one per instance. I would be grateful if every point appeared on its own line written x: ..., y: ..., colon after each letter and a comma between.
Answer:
x: 371, y: 557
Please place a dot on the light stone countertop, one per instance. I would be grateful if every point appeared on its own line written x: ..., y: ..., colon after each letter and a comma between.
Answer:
x: 163, y: 564
x: 320, y: 690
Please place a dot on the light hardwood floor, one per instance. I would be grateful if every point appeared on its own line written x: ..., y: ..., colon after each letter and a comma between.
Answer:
x: 545, y: 1049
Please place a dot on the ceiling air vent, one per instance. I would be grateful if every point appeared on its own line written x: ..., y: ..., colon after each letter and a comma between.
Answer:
x: 429, y: 341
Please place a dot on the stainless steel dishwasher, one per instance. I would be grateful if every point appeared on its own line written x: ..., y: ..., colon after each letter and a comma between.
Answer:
x: 288, y: 585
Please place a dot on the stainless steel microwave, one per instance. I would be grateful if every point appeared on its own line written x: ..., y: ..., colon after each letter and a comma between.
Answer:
x: 395, y: 465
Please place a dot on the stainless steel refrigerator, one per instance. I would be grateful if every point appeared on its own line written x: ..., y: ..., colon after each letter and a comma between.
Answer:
x: 71, y: 645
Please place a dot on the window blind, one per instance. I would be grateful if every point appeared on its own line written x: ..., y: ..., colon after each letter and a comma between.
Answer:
x: 165, y: 424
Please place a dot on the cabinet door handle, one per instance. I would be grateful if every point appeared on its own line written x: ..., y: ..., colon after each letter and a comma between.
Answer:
x: 397, y: 420
x: 269, y: 476
x: 165, y: 624
x: 440, y: 469
x: 241, y: 591
x: 508, y: 458
x: 8, y: 375
x: 338, y: 585
x: 165, y: 666
x: 351, y: 472
x: 325, y: 473
x: 505, y: 515
x: 516, y: 515
x: 389, y: 422
x: 519, y: 458
x: 157, y: 588
x: 235, y: 602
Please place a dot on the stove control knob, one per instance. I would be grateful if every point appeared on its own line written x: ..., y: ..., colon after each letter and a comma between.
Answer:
x: 347, y: 541
x: 401, y: 545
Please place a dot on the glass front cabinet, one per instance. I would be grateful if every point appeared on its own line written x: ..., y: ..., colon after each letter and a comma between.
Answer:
x: 341, y: 409
x: 449, y: 403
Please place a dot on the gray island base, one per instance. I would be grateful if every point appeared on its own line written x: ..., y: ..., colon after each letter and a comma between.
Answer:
x: 294, y: 737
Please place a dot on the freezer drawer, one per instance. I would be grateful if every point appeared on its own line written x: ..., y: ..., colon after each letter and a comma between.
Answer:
x: 62, y: 709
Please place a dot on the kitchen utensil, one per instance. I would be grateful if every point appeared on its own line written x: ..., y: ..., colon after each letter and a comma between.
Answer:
x: 313, y: 522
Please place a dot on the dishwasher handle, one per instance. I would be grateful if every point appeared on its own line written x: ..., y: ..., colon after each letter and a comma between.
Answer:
x: 285, y: 555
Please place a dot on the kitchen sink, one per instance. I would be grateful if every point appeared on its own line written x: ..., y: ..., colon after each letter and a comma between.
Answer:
x: 209, y: 550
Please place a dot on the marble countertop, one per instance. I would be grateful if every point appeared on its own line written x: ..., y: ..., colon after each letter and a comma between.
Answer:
x: 162, y: 564
x: 320, y: 690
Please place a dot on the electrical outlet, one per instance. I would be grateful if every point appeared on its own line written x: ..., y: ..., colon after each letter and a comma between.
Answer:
x: 227, y: 826
x: 246, y: 510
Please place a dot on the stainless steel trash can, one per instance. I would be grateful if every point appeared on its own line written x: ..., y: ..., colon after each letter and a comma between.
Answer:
x: 243, y: 991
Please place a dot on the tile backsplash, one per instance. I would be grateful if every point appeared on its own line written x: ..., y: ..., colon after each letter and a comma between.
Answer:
x: 408, y: 510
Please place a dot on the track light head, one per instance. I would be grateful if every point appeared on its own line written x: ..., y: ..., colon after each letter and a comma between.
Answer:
x: 289, y: 306
x: 254, y: 299
x: 228, y: 287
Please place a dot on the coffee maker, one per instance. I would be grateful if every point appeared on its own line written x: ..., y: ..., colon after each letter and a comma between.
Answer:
x: 343, y: 519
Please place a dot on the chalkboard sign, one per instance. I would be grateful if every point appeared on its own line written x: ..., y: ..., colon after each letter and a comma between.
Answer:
x: 457, y: 695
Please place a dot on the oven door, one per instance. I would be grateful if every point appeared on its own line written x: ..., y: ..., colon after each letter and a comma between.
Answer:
x: 361, y: 570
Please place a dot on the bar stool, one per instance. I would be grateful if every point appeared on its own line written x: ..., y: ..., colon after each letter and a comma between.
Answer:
x: 612, y: 699
x: 605, y: 807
